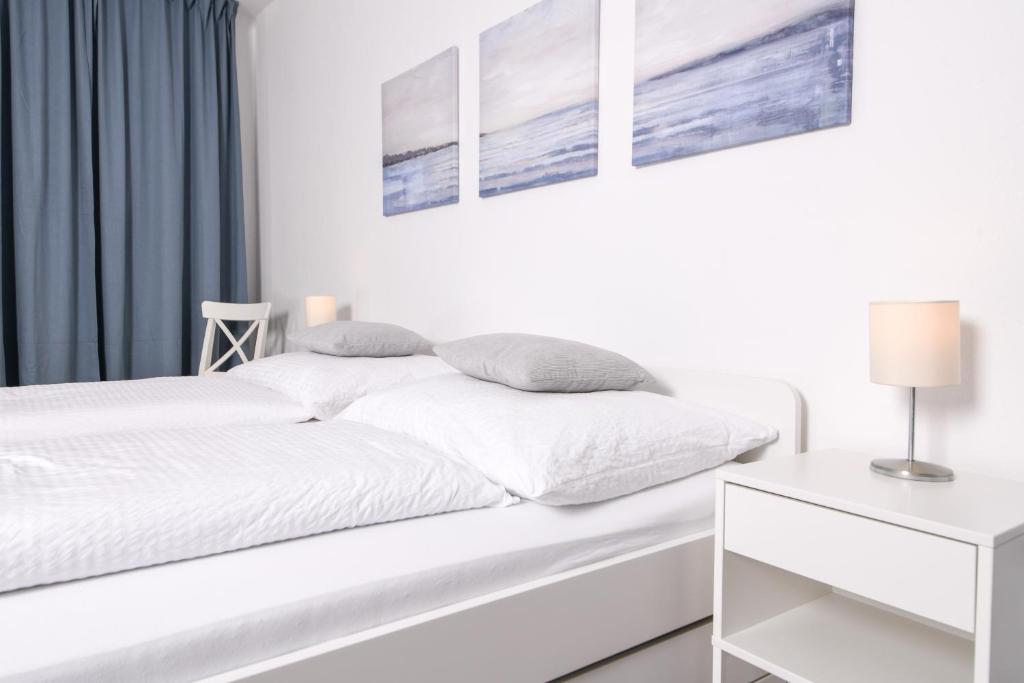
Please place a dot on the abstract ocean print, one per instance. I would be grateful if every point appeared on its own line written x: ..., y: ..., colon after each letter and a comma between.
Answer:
x: 538, y: 97
x: 420, y: 110
x: 716, y: 74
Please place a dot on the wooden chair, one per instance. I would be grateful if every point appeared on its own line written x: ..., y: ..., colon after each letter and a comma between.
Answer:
x: 216, y: 313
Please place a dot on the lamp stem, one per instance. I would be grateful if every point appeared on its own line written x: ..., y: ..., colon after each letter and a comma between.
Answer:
x: 910, y: 431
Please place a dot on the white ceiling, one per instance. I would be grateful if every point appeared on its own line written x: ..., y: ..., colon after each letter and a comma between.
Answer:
x: 254, y: 7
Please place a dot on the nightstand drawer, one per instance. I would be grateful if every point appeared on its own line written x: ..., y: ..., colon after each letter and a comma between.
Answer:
x: 927, y: 575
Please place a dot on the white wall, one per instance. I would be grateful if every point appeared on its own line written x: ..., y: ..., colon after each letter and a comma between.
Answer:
x: 756, y: 260
x: 245, y: 62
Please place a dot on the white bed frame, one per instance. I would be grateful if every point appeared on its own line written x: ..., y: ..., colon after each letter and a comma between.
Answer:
x: 552, y: 627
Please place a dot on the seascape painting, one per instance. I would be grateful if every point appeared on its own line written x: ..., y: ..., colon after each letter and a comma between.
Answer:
x: 711, y: 75
x: 538, y: 97
x: 420, y: 112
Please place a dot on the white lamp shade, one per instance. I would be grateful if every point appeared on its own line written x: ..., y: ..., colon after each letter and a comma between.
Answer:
x: 915, y: 343
x: 320, y: 310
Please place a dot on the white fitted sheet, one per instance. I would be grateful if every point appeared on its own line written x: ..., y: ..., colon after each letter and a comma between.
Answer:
x: 190, y: 619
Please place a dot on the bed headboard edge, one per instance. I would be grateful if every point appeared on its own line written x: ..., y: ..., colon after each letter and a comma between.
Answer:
x: 771, y: 402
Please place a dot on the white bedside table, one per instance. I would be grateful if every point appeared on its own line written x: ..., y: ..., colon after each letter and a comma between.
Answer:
x: 828, y: 573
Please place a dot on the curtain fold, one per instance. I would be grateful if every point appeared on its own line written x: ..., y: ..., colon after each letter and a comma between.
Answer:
x: 120, y: 185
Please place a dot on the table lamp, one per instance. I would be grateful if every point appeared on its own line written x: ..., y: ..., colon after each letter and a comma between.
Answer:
x: 914, y: 344
x: 320, y: 310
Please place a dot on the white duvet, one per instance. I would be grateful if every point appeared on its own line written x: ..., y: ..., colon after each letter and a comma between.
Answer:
x: 91, y: 505
x: 61, y: 410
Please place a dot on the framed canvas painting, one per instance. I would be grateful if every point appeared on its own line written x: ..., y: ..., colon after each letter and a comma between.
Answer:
x: 538, y: 97
x: 722, y: 73
x: 420, y: 126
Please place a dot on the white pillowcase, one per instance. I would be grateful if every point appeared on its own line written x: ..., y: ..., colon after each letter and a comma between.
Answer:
x: 562, y: 449
x: 325, y: 385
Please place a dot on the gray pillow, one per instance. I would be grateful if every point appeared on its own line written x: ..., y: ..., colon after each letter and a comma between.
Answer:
x: 357, y: 338
x: 534, y: 363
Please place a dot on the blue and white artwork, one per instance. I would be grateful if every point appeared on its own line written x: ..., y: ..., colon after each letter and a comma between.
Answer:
x: 420, y: 111
x: 712, y: 74
x: 538, y: 97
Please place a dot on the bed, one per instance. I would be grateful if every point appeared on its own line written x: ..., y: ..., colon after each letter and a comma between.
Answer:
x: 540, y: 593
x: 280, y: 598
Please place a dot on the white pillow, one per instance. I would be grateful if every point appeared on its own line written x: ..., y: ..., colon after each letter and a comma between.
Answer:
x: 562, y: 449
x: 325, y: 385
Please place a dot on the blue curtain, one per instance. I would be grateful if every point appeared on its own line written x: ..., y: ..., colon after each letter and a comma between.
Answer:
x: 120, y: 185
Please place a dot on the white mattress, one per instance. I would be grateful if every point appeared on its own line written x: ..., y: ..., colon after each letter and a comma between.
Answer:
x: 191, y: 619
x: 48, y: 411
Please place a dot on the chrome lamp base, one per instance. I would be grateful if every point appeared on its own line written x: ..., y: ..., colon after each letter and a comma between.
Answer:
x: 913, y: 470
x: 908, y: 468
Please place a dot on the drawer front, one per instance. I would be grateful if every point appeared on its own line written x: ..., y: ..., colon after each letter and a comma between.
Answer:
x: 927, y: 575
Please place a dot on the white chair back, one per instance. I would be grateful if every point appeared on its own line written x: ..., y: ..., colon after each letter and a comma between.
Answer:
x: 216, y: 313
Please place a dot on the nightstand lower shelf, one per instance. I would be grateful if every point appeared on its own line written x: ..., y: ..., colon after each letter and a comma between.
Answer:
x: 835, y: 639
